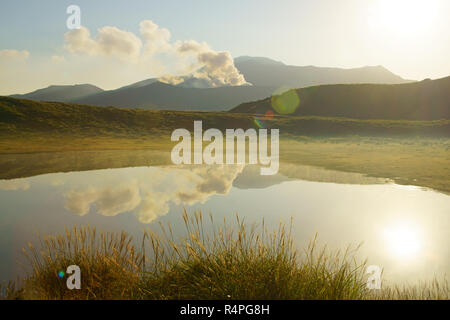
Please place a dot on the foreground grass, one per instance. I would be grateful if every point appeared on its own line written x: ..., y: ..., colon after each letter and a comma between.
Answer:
x: 230, y: 261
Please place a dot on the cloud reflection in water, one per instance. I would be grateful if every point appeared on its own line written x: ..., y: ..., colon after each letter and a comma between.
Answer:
x: 149, y: 196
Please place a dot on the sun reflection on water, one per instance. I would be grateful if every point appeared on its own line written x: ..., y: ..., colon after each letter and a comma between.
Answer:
x: 403, y: 240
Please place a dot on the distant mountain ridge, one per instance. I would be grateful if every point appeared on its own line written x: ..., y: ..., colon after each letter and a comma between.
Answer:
x: 259, y: 60
x: 425, y: 100
x: 266, y: 75
x: 60, y: 93
x: 163, y: 96
x: 266, y: 72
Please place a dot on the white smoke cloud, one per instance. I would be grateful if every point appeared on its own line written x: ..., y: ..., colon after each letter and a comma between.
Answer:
x: 209, y: 69
x: 153, y: 206
x: 193, y: 46
x: 14, y: 55
x: 108, y: 201
x: 215, y: 69
x: 14, y: 70
x: 14, y: 184
x: 156, y: 38
x: 58, y: 59
x: 113, y: 57
x: 109, y: 41
x: 207, y: 181
x: 150, y: 197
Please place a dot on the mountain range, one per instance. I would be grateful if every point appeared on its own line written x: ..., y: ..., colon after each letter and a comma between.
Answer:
x: 265, y: 75
x: 424, y: 100
x: 60, y: 93
x: 261, y: 71
x: 163, y: 96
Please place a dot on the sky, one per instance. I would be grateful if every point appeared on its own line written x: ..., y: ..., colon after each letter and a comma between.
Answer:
x: 121, y: 42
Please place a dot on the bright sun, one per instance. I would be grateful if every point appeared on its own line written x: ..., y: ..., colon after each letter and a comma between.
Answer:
x: 403, y: 17
x: 403, y: 240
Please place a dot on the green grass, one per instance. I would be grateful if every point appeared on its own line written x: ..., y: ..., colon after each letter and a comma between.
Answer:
x: 414, y: 161
x: 26, y: 118
x: 109, y: 262
x: 212, y: 261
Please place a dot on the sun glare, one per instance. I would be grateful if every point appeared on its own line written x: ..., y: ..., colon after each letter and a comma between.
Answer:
x: 403, y: 240
x: 403, y: 17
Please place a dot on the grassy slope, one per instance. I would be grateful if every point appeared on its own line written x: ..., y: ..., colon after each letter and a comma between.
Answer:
x: 411, y: 152
x: 25, y: 117
x: 426, y: 100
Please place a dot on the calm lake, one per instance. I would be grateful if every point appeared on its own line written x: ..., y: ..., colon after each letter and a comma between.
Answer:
x: 403, y: 229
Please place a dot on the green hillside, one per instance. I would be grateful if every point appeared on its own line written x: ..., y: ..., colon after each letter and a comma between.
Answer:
x: 19, y: 117
x: 426, y: 100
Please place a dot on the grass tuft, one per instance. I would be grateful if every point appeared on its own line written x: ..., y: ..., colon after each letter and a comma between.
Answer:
x: 212, y: 261
x: 109, y: 264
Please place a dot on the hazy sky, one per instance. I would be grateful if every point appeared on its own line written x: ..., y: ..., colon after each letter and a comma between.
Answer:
x: 409, y: 37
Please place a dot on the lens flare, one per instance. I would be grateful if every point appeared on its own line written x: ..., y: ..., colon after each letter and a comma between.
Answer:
x: 268, y: 115
x: 285, y: 101
x: 259, y: 123
x: 61, y: 274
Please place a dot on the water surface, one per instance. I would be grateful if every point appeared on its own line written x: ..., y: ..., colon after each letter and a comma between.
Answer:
x: 404, y: 229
